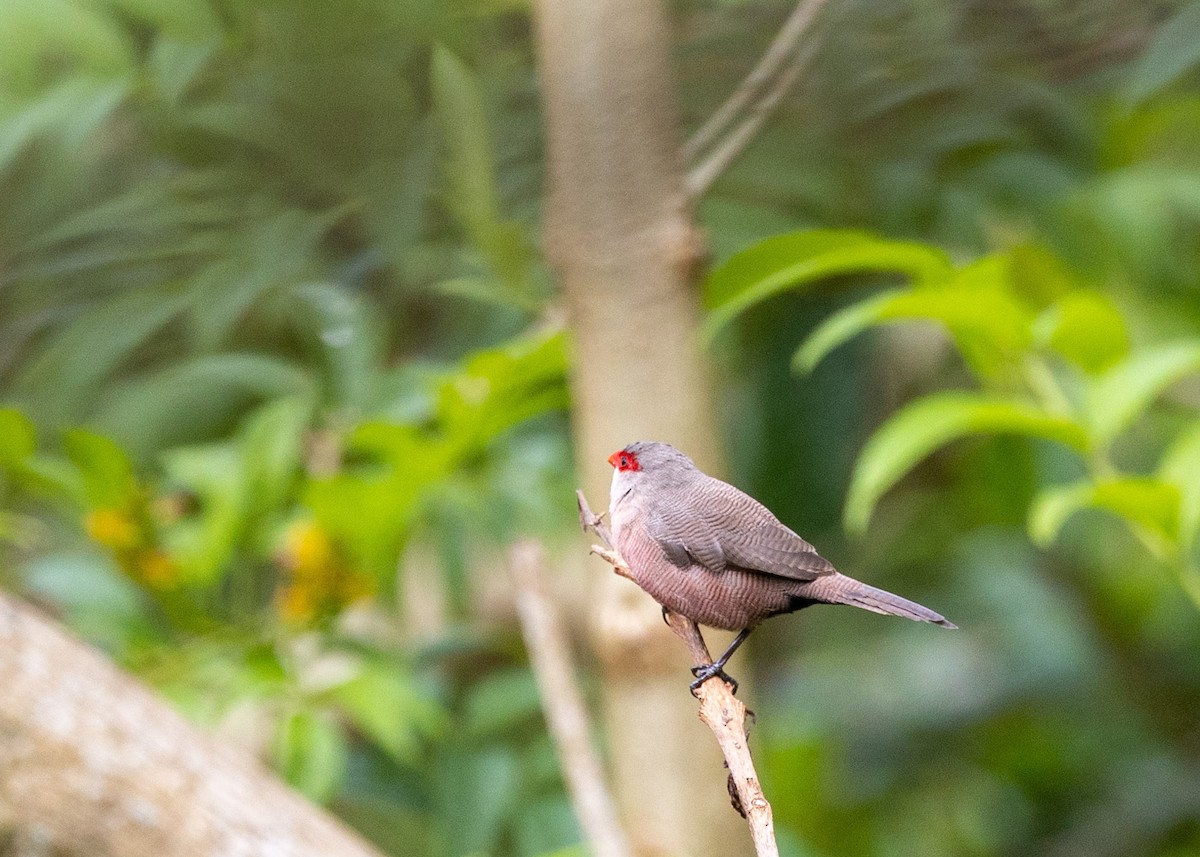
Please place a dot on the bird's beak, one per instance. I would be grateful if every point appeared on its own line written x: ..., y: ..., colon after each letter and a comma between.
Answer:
x: 612, y: 459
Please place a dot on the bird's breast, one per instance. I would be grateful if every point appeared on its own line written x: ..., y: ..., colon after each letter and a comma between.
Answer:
x: 624, y: 509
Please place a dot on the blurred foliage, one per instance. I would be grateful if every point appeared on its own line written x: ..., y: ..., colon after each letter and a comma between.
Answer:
x: 279, y: 365
x: 1052, y: 358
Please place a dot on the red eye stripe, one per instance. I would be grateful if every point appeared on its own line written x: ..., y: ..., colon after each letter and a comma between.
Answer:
x: 624, y: 460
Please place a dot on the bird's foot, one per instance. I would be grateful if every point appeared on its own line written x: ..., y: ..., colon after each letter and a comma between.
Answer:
x: 706, y: 671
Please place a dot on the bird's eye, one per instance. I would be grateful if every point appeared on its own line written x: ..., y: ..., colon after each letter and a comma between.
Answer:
x: 624, y: 460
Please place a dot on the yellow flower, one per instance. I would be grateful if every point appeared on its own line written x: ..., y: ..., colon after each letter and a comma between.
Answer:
x: 156, y: 569
x: 112, y: 528
x: 321, y: 581
x: 308, y: 550
x: 295, y: 603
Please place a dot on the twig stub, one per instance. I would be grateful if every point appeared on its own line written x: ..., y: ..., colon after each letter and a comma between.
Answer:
x: 589, y: 520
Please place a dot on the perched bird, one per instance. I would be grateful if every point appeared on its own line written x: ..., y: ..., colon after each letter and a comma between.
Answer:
x: 712, y: 553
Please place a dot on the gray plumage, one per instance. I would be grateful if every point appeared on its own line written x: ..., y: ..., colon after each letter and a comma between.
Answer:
x: 706, y: 550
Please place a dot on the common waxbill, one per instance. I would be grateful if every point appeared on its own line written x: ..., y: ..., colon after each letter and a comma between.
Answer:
x: 712, y: 553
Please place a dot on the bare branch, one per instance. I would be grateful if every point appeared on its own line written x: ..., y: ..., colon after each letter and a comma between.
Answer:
x: 774, y: 59
x: 701, y: 177
x: 725, y: 715
x: 589, y: 520
x: 563, y: 705
x: 720, y: 710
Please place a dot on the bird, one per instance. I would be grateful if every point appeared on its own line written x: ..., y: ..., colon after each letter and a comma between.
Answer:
x: 708, y: 551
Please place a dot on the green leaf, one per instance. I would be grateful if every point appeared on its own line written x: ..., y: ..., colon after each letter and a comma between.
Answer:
x: 1174, y: 51
x: 1180, y: 466
x: 460, y: 112
x: 977, y: 307
x: 500, y: 703
x: 348, y: 334
x: 547, y: 828
x: 264, y: 267
x: 18, y: 438
x: 195, y: 399
x: 20, y: 531
x: 929, y: 424
x: 97, y: 601
x: 498, y: 388
x: 990, y: 324
x: 107, y: 471
x: 68, y: 113
x: 843, y: 326
x: 805, y: 258
x: 272, y: 444
x: 1039, y: 277
x: 203, y: 544
x: 369, y: 507
x: 1148, y: 504
x: 311, y: 753
x: 383, y: 702
x: 483, y: 289
x: 54, y: 478
x: 181, y: 19
x: 172, y: 67
x: 471, y: 175
x: 1085, y: 328
x: 82, y: 38
x: 67, y: 374
x: 1119, y: 397
x: 480, y: 787
x: 577, y: 850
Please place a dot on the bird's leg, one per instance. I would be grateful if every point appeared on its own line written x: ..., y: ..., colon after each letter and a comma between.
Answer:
x: 717, y: 668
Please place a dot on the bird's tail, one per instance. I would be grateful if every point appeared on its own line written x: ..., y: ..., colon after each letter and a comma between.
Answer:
x: 867, y: 597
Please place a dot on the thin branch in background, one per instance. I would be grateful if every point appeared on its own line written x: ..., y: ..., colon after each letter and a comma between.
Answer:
x: 701, y: 177
x: 761, y: 85
x: 720, y: 710
x: 563, y: 705
x: 782, y: 48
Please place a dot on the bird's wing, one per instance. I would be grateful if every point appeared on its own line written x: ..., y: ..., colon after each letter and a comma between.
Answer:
x: 721, y: 526
x: 685, y: 544
x: 773, y: 548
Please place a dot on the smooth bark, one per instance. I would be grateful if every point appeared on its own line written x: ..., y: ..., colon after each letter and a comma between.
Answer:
x: 620, y: 238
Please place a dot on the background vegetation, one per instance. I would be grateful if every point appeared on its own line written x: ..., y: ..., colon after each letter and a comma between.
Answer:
x: 284, y: 372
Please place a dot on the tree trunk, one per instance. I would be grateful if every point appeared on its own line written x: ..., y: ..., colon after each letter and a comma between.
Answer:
x: 621, y: 240
x: 93, y: 764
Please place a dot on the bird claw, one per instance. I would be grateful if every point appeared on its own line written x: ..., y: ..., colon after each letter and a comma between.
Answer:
x: 706, y: 671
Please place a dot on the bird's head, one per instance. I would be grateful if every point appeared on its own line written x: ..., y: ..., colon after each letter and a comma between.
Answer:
x: 647, y: 459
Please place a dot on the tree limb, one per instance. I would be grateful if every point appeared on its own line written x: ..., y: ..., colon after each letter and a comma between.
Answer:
x: 91, y: 763
x: 720, y: 710
x: 759, y: 94
x: 563, y: 706
x: 702, y: 176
